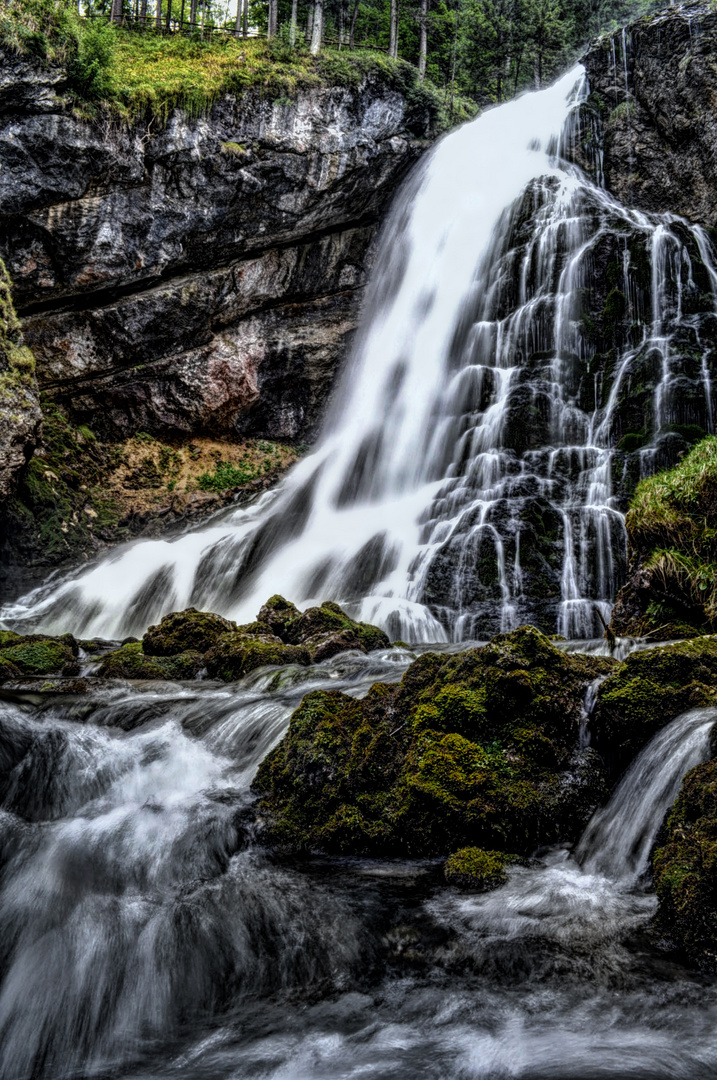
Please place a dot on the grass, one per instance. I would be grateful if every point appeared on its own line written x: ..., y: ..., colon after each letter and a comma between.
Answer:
x: 673, y: 521
x: 134, y: 74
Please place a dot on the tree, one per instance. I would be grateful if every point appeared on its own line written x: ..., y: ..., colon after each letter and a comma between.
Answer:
x: 317, y: 29
x: 547, y: 33
x: 273, y: 19
x: 393, y: 31
x: 423, y: 46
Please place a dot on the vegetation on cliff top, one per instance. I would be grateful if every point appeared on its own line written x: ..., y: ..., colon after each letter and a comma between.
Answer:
x: 17, y: 364
x: 476, y: 750
x: 672, y: 531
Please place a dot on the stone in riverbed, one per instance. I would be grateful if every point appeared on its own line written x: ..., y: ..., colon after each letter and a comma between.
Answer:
x: 475, y: 870
x: 185, y: 631
x: 474, y: 750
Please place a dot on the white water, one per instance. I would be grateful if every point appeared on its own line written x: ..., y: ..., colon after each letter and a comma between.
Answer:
x: 451, y: 452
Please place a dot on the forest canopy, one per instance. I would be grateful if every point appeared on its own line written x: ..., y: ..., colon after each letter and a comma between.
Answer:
x: 483, y: 50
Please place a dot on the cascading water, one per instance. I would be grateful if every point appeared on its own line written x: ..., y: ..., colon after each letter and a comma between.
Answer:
x: 530, y: 348
x: 145, y: 934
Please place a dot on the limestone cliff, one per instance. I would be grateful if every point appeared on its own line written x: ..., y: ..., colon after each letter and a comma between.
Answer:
x: 201, y: 277
x: 655, y: 86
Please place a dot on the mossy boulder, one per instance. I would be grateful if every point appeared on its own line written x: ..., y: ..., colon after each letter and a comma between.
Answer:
x: 649, y: 690
x: 685, y: 869
x: 475, y: 870
x: 185, y: 631
x: 277, y: 613
x: 235, y: 655
x: 8, y: 670
x: 130, y: 662
x: 474, y: 750
x: 35, y: 654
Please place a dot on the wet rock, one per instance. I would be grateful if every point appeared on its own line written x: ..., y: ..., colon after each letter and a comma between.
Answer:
x: 684, y: 865
x: 185, y: 631
x: 19, y: 401
x: 650, y: 89
x: 470, y: 750
x: 204, y: 276
x: 235, y: 655
x: 130, y: 662
x: 474, y: 870
x: 648, y: 690
x: 36, y: 654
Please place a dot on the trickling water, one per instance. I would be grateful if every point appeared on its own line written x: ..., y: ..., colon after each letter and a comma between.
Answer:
x: 618, y: 840
x: 519, y: 324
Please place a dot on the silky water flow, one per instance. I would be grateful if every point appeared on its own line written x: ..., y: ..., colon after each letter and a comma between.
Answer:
x: 145, y: 934
x: 470, y: 477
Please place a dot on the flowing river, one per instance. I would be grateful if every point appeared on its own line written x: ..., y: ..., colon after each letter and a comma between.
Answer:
x: 145, y: 934
x: 467, y: 481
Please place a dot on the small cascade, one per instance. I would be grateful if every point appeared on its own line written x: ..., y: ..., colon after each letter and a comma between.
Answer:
x: 530, y: 349
x: 618, y: 840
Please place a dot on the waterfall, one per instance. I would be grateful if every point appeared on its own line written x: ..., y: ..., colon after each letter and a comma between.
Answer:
x: 529, y: 349
x: 618, y: 840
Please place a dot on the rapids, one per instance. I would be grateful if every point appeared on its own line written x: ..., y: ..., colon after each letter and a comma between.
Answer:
x: 145, y: 934
x: 469, y: 478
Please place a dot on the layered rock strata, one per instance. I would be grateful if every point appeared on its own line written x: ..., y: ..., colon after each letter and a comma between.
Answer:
x: 204, y: 277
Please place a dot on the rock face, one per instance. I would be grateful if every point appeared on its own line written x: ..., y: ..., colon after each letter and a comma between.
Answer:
x: 205, y: 277
x: 654, y: 87
x: 19, y: 405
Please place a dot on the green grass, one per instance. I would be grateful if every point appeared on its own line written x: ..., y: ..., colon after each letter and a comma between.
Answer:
x: 137, y: 74
x: 673, y: 521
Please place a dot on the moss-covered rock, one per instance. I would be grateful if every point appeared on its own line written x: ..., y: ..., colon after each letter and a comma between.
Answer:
x: 38, y: 655
x: 672, y: 551
x: 478, y: 749
x: 235, y: 655
x: 474, y: 870
x: 8, y: 670
x: 185, y: 631
x: 130, y: 662
x: 685, y: 869
x: 647, y: 691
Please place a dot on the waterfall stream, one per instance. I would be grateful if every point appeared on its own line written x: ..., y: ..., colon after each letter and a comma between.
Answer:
x: 145, y: 933
x: 529, y: 349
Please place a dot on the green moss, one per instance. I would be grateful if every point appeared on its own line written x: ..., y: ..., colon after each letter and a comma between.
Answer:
x: 235, y: 655
x: 632, y: 441
x: 8, y: 670
x: 475, y: 870
x: 33, y: 656
x: 184, y: 631
x: 685, y: 869
x: 647, y: 691
x: 130, y: 662
x: 672, y: 534
x: 468, y: 749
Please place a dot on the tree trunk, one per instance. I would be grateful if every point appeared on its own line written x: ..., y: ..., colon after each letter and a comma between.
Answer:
x: 354, y: 17
x: 273, y: 19
x: 309, y: 24
x: 181, y: 17
x: 294, y: 16
x: 453, y: 66
x: 393, y: 34
x: 423, y: 44
x: 158, y: 15
x: 143, y: 12
x: 245, y: 18
x: 193, y: 13
x: 317, y: 30
x: 341, y: 23
x: 169, y: 12
x: 116, y: 11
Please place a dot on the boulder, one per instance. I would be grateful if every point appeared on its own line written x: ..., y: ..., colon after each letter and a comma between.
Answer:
x: 185, y: 631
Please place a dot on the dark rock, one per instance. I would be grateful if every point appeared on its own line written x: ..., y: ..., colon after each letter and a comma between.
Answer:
x: 684, y: 865
x: 474, y: 870
x: 474, y: 750
x: 185, y: 631
x: 235, y: 655
x: 659, y: 132
x: 172, y: 285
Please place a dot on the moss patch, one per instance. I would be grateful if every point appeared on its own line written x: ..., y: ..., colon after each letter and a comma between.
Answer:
x: 647, y: 691
x: 474, y: 870
x: 685, y: 869
x: 471, y: 750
